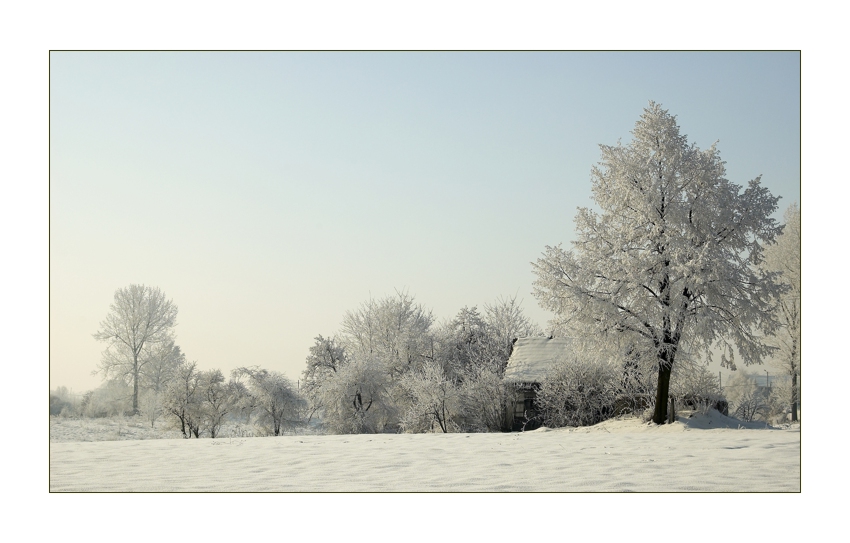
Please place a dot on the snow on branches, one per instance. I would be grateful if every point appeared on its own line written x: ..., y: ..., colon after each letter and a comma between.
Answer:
x: 672, y: 257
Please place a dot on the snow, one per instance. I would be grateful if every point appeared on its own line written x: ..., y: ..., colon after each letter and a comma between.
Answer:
x: 109, y: 429
x: 699, y: 453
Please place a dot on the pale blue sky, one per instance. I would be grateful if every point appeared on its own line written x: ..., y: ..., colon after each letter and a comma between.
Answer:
x: 269, y: 193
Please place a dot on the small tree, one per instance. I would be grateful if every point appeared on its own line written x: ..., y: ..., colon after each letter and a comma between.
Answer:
x: 273, y: 396
x: 150, y: 405
x: 462, y: 343
x: 140, y: 317
x: 183, y: 400
x: 434, y: 398
x: 218, y: 398
x: 357, y: 399
x: 671, y: 259
x: 326, y: 357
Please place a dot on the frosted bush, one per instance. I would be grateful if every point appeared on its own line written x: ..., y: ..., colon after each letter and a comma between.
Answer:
x: 578, y: 392
x: 110, y: 399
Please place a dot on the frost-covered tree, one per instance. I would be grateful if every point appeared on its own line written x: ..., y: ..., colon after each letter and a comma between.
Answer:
x: 434, y: 398
x: 670, y: 259
x: 785, y: 258
x: 150, y: 405
x: 472, y: 340
x: 111, y: 398
x: 473, y: 349
x: 326, y: 358
x: 358, y: 398
x: 63, y: 402
x: 273, y: 396
x: 161, y: 362
x: 462, y: 342
x: 394, y: 330
x: 506, y: 322
x: 182, y: 399
x: 140, y: 317
x: 218, y: 398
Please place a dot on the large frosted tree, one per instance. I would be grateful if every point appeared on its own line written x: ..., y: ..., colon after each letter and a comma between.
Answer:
x: 785, y: 257
x: 671, y: 259
x: 139, y: 318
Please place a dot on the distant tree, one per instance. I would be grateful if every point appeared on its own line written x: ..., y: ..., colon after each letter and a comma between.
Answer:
x: 111, y: 398
x: 150, y: 405
x: 63, y: 402
x: 747, y: 400
x: 785, y: 257
x: 462, y: 343
x: 182, y: 399
x: 326, y: 357
x: 273, y: 396
x: 671, y: 259
x: 505, y: 322
x: 394, y: 330
x: 218, y: 398
x: 161, y: 361
x: 140, y: 317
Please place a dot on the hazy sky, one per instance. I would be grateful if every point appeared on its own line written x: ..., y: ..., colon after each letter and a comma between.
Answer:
x: 268, y: 193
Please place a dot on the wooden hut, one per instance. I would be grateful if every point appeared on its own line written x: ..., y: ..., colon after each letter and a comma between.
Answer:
x: 531, y: 359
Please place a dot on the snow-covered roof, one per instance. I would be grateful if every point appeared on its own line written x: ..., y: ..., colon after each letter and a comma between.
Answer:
x: 533, y: 357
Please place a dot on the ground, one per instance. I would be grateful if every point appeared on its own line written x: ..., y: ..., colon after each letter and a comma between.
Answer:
x: 699, y: 453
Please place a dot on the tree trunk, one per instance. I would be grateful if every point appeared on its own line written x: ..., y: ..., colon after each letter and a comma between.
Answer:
x: 663, y: 392
x: 794, y: 395
x: 135, y: 383
x: 183, y: 426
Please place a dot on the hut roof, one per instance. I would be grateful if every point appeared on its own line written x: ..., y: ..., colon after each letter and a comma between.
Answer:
x: 533, y: 357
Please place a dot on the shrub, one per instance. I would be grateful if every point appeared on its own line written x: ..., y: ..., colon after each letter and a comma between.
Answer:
x: 64, y: 403
x: 693, y: 386
x: 578, y: 392
x: 747, y: 400
x: 110, y: 399
x: 485, y: 397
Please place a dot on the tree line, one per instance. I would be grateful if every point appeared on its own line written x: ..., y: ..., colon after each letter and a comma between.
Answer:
x: 392, y: 368
x: 678, y: 262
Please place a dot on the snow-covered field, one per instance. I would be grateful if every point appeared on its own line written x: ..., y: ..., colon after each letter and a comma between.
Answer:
x: 700, y: 453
